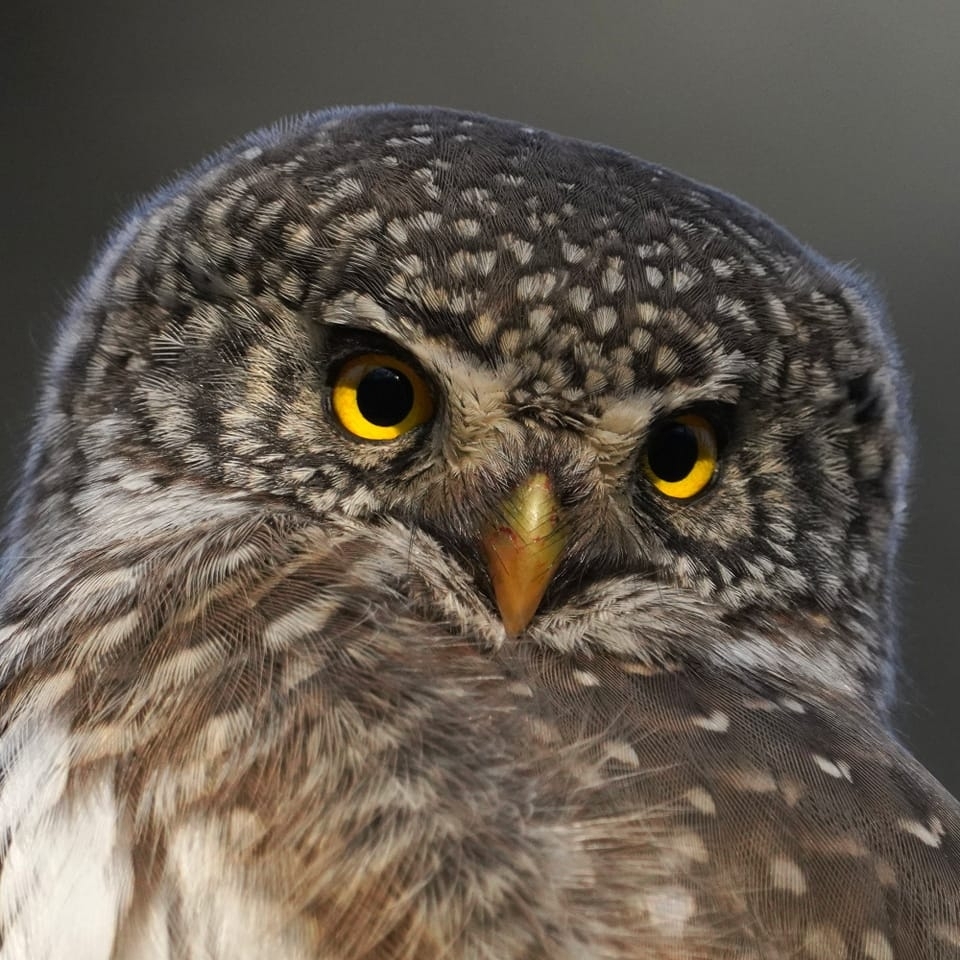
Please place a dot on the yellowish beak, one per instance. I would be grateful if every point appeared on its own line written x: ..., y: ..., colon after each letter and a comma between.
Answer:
x: 522, y: 547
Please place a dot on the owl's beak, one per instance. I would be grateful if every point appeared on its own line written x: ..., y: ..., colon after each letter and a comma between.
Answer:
x: 522, y: 546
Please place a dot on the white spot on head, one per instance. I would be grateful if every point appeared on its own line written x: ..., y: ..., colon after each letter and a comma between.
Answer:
x: 349, y: 188
x: 613, y: 275
x: 467, y: 227
x: 486, y: 260
x: 539, y: 319
x: 604, y: 320
x: 426, y: 221
x: 520, y: 248
x: 648, y: 314
x: 397, y: 231
x: 580, y: 298
x: 683, y: 280
x: 410, y: 265
x: 654, y: 276
x: 779, y: 312
x: 536, y: 286
x: 484, y: 327
x: 722, y: 268
x: 299, y: 237
x: 667, y: 361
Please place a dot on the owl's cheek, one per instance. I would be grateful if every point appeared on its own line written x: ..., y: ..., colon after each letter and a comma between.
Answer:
x: 737, y: 543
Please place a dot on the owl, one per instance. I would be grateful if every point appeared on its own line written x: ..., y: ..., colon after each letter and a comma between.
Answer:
x: 441, y: 538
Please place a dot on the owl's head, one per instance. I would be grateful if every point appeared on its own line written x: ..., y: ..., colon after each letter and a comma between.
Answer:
x: 591, y: 403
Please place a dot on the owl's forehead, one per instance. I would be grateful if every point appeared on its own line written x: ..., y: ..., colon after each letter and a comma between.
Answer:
x: 590, y: 269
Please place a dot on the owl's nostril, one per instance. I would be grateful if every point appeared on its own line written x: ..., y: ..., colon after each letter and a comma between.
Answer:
x: 522, y: 545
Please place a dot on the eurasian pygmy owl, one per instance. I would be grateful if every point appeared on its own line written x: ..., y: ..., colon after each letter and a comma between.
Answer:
x: 441, y: 538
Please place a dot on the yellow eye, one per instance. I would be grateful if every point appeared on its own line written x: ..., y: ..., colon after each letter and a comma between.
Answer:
x: 378, y: 397
x: 681, y: 456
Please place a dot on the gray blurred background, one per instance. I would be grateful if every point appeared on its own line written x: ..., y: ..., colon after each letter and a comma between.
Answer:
x: 841, y: 120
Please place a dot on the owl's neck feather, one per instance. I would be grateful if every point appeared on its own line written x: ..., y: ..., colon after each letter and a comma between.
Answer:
x: 113, y: 533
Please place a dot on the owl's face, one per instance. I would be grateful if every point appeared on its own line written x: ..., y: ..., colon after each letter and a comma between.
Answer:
x: 455, y: 329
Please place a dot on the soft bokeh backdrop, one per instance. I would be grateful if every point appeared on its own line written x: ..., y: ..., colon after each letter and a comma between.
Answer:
x: 841, y: 120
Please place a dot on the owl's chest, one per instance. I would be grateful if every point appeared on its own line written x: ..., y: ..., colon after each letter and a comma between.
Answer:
x: 530, y: 808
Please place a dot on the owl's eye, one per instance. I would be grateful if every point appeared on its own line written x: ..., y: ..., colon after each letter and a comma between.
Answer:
x: 378, y: 397
x: 681, y: 456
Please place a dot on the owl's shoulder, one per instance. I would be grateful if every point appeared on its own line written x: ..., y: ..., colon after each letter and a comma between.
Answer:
x: 800, y: 815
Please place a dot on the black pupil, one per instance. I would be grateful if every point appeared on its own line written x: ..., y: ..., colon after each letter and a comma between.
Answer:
x: 385, y: 396
x: 672, y: 452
